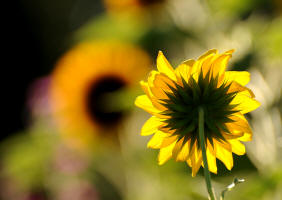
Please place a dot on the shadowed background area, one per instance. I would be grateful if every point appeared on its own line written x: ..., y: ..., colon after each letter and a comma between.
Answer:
x: 72, y: 72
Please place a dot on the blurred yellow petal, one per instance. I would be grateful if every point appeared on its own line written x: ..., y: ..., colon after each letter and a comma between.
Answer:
x: 72, y: 91
x: 151, y: 126
x: 164, y: 66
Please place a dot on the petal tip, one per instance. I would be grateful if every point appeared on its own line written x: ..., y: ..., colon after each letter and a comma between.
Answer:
x: 160, y: 53
x: 229, y: 167
x: 161, y: 162
x: 231, y: 51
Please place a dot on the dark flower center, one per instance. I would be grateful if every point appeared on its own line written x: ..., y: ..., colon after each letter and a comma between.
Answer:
x: 97, y: 104
x: 183, y: 107
x: 148, y: 2
x: 38, y: 194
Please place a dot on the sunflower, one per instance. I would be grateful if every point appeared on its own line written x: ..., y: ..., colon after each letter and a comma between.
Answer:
x: 125, y: 4
x: 81, y: 81
x: 173, y: 97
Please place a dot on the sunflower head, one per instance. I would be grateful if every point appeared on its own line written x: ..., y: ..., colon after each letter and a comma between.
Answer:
x: 174, y: 97
x: 81, y: 87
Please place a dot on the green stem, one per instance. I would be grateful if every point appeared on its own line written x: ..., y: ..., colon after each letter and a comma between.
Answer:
x: 204, y: 154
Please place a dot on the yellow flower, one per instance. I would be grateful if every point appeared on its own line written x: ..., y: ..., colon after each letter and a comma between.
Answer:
x: 80, y: 82
x: 173, y: 98
x: 130, y: 4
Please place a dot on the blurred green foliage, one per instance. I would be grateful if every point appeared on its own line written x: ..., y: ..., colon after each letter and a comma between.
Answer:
x: 253, y: 27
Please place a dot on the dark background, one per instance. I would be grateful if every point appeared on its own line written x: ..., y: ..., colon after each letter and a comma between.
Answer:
x: 34, y: 35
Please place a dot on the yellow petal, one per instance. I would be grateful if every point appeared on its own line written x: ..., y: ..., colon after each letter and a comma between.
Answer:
x: 156, y: 103
x: 245, y: 103
x: 223, y: 153
x: 245, y: 127
x: 237, y: 147
x: 183, y: 153
x: 196, y: 161
x: 206, y: 54
x: 211, y: 158
x: 240, y: 77
x: 189, y: 162
x: 233, y: 135
x: 219, y: 65
x: 196, y: 167
x: 184, y: 70
x: 152, y: 77
x: 164, y: 66
x: 166, y: 129
x: 189, y: 63
x: 239, y: 125
x: 160, y: 86
x: 146, y: 89
x: 165, y: 154
x: 177, y: 148
x: 207, y: 64
x: 246, y: 137
x: 145, y: 103
x: 151, y: 126
x: 157, y: 139
x: 229, y: 51
x: 169, y: 140
x: 197, y: 66
x: 236, y: 87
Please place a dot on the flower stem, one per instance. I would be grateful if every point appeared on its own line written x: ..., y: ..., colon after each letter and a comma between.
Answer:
x: 204, y: 154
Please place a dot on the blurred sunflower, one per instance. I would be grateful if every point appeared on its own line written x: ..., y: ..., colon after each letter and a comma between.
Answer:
x: 174, y: 97
x: 82, y: 84
x: 130, y: 4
